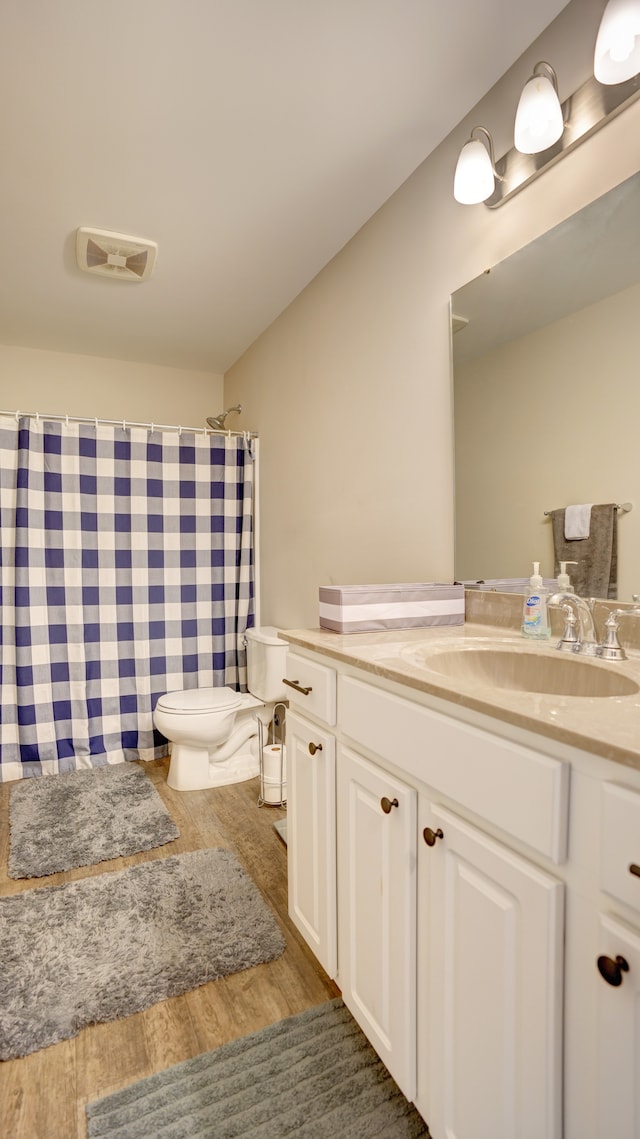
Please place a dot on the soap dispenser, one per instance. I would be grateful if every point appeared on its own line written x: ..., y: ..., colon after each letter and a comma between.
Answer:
x: 564, y: 585
x: 535, y: 616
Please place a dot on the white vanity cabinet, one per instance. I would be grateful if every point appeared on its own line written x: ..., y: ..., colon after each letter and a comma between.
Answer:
x: 618, y: 962
x: 311, y: 807
x: 491, y: 966
x: 377, y: 909
x: 482, y: 871
x: 619, y: 1030
x: 479, y: 927
x: 311, y: 837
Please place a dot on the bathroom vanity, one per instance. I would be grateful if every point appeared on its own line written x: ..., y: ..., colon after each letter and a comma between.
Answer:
x: 464, y: 860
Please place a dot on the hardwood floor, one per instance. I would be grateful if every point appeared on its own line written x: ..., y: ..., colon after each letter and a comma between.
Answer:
x: 43, y: 1096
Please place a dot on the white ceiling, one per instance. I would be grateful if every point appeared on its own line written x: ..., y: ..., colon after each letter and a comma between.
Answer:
x: 250, y: 138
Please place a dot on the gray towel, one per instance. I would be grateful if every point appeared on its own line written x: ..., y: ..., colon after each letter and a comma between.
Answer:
x: 596, y: 574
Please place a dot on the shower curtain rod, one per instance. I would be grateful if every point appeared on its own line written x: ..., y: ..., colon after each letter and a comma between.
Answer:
x: 126, y: 423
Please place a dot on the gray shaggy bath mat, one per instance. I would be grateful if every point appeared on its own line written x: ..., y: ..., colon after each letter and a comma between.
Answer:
x: 109, y: 946
x: 313, y: 1075
x: 58, y: 822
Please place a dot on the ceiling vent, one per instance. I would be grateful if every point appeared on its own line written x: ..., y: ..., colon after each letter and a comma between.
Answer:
x: 115, y: 255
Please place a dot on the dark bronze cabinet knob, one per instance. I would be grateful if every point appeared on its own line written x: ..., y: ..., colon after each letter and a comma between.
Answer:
x: 430, y: 836
x: 313, y: 748
x: 634, y: 869
x: 612, y: 970
x: 387, y: 804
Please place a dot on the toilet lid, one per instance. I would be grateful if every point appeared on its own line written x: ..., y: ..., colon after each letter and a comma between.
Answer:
x: 200, y: 700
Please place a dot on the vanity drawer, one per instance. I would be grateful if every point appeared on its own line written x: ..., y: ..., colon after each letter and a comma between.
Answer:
x: 524, y: 793
x: 315, y: 691
x: 621, y: 843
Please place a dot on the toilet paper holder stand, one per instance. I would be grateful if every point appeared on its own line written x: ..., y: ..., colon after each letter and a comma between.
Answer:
x: 273, y: 781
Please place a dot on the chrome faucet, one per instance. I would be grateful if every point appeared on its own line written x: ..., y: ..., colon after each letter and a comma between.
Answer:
x: 578, y: 613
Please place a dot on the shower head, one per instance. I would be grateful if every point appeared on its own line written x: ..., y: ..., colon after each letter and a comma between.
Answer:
x: 217, y: 421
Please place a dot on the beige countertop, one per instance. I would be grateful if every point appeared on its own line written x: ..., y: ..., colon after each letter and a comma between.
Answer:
x: 608, y: 726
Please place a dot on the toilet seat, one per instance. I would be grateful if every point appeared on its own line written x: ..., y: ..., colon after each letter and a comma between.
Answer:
x: 198, y: 700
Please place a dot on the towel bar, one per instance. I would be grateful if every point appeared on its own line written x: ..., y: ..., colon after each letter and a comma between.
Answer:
x: 623, y: 507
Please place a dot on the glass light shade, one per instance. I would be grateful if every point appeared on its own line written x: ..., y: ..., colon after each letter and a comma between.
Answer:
x: 474, y: 179
x: 617, y: 53
x: 539, y: 116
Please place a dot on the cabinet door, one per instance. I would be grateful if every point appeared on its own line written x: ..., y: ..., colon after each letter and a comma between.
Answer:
x: 619, y: 1032
x: 492, y: 1037
x: 311, y: 837
x: 377, y: 910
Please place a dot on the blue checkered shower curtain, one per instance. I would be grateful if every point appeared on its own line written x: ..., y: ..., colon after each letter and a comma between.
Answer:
x: 126, y: 571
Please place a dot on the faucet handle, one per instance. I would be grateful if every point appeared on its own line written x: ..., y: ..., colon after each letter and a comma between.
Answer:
x: 570, y: 639
x: 611, y: 649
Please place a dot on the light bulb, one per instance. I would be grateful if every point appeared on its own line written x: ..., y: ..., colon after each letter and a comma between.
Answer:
x: 474, y: 179
x: 617, y: 51
x: 621, y: 45
x: 539, y: 120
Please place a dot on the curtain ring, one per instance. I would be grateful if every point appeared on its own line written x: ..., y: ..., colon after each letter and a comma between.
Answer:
x: 96, y: 422
x: 67, y: 420
x: 179, y: 430
x: 17, y: 416
x: 37, y: 418
x: 124, y: 425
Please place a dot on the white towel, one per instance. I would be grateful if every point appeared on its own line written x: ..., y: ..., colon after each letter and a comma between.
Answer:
x: 577, y: 521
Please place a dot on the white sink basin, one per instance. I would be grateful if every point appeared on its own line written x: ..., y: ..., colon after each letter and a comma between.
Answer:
x: 522, y: 670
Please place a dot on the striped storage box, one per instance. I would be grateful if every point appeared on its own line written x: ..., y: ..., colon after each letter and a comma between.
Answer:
x: 371, y: 608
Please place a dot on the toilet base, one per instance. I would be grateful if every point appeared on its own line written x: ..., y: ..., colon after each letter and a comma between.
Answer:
x: 193, y: 769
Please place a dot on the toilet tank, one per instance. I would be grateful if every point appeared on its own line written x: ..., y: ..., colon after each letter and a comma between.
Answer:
x: 266, y: 663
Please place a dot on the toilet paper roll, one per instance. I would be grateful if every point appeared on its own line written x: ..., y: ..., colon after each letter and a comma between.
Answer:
x: 273, y: 787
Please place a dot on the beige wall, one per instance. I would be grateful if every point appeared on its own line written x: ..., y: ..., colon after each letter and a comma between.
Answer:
x: 350, y: 388
x: 565, y: 432
x: 58, y: 383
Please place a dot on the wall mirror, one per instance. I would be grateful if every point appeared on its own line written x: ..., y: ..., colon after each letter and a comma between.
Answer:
x: 546, y: 375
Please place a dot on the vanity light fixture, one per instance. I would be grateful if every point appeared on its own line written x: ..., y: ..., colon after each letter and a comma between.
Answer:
x: 539, y: 121
x: 617, y: 54
x: 475, y: 176
x: 545, y: 129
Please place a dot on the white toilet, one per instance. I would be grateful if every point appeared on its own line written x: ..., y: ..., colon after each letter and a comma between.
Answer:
x: 214, y: 731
